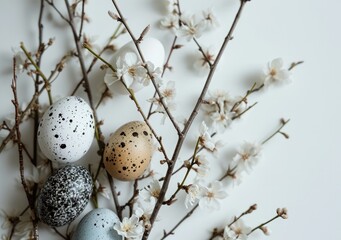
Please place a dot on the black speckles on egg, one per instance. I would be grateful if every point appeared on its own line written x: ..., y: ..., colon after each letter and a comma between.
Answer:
x: 66, y: 122
x: 129, y: 151
x: 97, y: 225
x: 64, y: 195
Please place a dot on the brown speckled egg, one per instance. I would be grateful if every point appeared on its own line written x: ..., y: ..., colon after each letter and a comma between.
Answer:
x: 129, y: 151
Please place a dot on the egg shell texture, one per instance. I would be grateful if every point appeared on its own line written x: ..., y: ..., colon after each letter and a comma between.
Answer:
x: 129, y: 151
x: 98, y: 224
x: 64, y: 195
x: 66, y: 130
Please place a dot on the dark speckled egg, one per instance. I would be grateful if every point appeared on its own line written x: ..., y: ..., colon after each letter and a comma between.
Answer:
x: 98, y: 224
x: 64, y: 195
x: 129, y: 151
x: 66, y: 130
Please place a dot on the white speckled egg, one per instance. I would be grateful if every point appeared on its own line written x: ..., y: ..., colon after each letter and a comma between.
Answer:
x: 98, y: 224
x: 153, y: 51
x: 129, y: 151
x: 66, y: 130
x: 64, y: 195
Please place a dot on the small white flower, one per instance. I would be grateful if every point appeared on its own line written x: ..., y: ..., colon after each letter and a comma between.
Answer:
x: 169, y: 5
x: 210, y: 19
x: 237, y: 230
x: 170, y: 22
x: 218, y: 145
x: 154, y: 71
x: 202, y: 62
x: 152, y: 191
x: 203, y: 166
x: 102, y: 190
x: 247, y: 156
x: 130, y: 227
x: 194, y: 193
x: 191, y: 27
x: 205, y: 138
x: 6, y: 219
x: 276, y: 73
x: 211, y: 195
x: 20, y: 59
x: 128, y: 69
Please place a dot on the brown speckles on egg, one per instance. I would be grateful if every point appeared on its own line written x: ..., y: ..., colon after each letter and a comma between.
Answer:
x: 129, y: 151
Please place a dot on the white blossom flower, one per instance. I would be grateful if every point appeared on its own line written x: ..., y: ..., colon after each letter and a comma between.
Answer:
x: 210, y: 19
x: 237, y: 230
x: 154, y: 71
x: 218, y: 108
x: 194, y: 193
x: 205, y: 138
x: 203, y: 166
x: 169, y: 5
x: 23, y: 227
x: 131, y: 228
x: 170, y: 22
x: 211, y: 195
x: 202, y: 62
x: 20, y: 59
x: 152, y: 191
x: 168, y: 94
x: 276, y: 73
x: 218, y: 145
x: 247, y: 156
x: 128, y: 69
x: 102, y: 190
x: 191, y: 27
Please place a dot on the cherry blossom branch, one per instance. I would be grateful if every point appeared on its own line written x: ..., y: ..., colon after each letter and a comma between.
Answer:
x: 36, y: 66
x: 32, y: 104
x: 165, y: 66
x: 191, y: 119
x: 189, y: 168
x: 133, y: 98
x: 29, y: 197
x: 136, y: 41
x: 278, y: 131
x: 281, y: 213
x: 115, y: 196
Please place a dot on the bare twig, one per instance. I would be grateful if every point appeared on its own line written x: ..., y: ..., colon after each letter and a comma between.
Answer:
x: 29, y: 197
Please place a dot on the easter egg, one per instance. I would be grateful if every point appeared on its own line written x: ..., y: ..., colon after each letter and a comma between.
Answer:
x: 64, y: 195
x: 129, y: 151
x: 66, y: 130
x: 98, y: 224
x: 152, y: 50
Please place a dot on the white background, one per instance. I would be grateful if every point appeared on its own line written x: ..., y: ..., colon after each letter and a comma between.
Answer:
x: 300, y: 173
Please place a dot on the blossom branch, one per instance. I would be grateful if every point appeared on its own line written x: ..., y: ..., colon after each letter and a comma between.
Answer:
x: 281, y: 213
x: 36, y: 66
x: 29, y: 197
x: 136, y: 42
x: 278, y: 131
x: 191, y: 119
x: 133, y: 98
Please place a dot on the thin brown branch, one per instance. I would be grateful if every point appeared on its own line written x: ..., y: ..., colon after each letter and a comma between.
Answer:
x: 80, y: 33
x: 115, y: 196
x: 29, y: 197
x: 191, y: 119
x: 137, y: 45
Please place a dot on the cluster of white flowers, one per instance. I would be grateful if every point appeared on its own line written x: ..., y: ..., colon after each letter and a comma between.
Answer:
x: 220, y: 109
x: 23, y: 228
x: 238, y: 230
x: 207, y: 196
x: 168, y: 93
x: 130, y: 70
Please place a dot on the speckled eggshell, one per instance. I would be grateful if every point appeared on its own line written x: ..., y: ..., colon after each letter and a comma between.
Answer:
x: 64, y: 195
x: 98, y: 224
x: 129, y: 151
x: 66, y: 130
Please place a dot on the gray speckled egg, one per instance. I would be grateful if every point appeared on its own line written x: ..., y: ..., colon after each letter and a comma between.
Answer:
x: 129, y: 151
x: 66, y: 130
x: 98, y: 224
x: 64, y: 195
